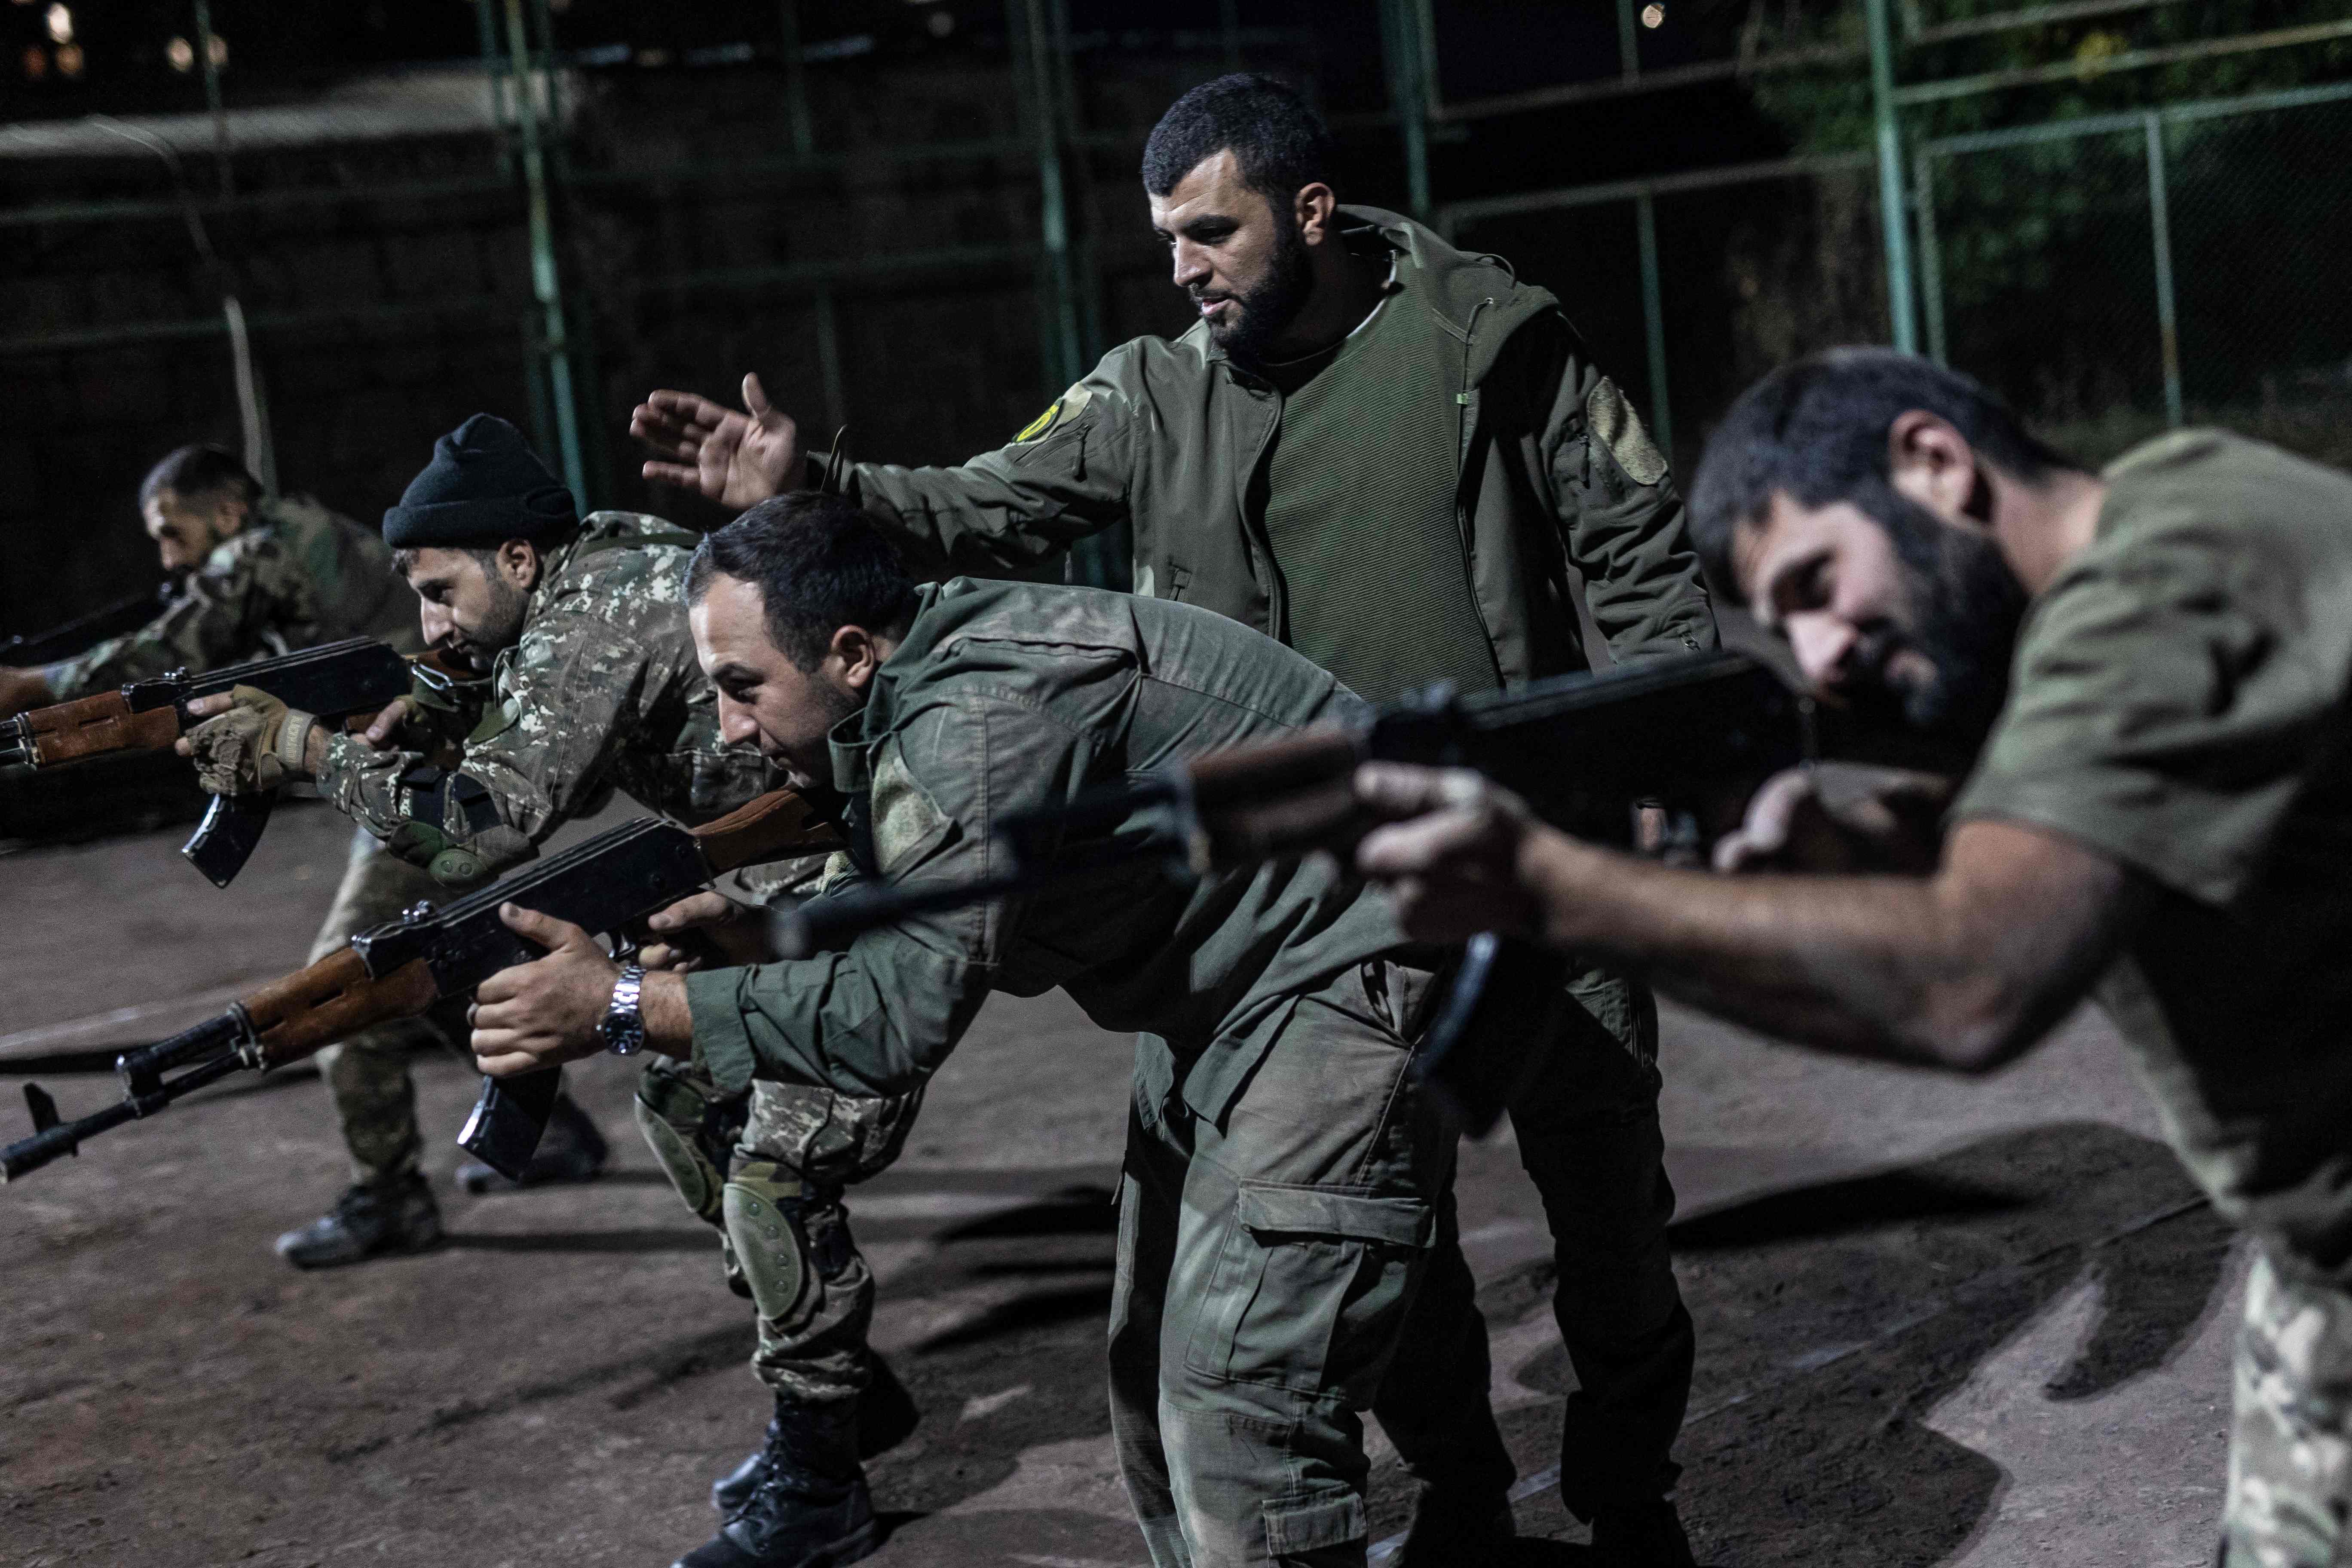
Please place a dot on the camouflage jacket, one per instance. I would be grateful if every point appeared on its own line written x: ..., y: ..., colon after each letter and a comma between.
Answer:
x: 1005, y: 698
x: 602, y: 691
x: 294, y: 576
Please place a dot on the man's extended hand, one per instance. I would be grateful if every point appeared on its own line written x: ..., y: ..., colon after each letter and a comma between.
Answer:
x: 250, y: 742
x: 1450, y: 855
x: 734, y: 459
x: 21, y: 689
x: 703, y: 928
x: 1841, y: 819
x: 549, y: 1011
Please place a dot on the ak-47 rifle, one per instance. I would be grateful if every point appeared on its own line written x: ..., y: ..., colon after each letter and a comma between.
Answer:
x: 69, y: 637
x: 397, y: 970
x: 339, y: 681
x: 1581, y: 749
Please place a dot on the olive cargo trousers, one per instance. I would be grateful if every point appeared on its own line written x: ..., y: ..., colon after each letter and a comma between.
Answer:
x: 1265, y: 1267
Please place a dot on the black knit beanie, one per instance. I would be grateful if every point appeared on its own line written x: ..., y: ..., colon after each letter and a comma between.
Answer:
x: 483, y: 487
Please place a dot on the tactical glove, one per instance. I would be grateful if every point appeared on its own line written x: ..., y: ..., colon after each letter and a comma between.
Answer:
x: 254, y: 747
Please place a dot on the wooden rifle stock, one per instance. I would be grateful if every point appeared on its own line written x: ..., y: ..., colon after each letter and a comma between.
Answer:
x: 607, y: 884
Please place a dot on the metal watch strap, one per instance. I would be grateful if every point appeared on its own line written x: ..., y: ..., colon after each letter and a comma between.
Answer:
x: 624, y: 1026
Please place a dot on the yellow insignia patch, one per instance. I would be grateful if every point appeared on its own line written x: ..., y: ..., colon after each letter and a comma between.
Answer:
x: 1069, y: 402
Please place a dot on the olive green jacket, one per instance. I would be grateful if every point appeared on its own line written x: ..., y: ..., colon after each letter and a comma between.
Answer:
x: 1557, y: 478
x: 1004, y: 697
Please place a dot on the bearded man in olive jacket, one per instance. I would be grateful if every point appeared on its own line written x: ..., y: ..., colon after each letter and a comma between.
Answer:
x: 1397, y: 458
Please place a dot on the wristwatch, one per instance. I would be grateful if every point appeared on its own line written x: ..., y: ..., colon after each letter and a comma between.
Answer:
x: 624, y: 1026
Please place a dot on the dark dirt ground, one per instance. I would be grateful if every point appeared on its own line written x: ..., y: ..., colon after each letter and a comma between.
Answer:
x: 1938, y: 1323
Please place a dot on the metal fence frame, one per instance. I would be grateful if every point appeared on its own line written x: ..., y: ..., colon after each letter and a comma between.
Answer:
x: 2150, y: 124
x: 525, y: 86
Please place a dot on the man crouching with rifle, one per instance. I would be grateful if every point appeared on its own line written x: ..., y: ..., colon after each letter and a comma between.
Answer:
x: 1273, y: 1119
x: 594, y: 685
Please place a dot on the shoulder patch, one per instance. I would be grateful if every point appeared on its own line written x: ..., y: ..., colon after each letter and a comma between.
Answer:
x: 1063, y: 407
x: 906, y: 821
x: 1612, y: 419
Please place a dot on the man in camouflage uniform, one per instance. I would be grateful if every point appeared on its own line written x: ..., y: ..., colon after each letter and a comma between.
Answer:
x: 268, y: 576
x: 264, y: 575
x: 2146, y: 674
x: 1398, y: 459
x: 581, y: 624
x: 1281, y: 1190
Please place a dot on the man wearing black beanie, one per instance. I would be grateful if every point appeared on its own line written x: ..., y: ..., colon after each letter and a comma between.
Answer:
x: 581, y: 625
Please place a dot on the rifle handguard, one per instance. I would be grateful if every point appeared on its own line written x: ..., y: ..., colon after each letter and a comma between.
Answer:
x: 1280, y: 797
x: 778, y: 823
x: 90, y: 727
x: 295, y: 1016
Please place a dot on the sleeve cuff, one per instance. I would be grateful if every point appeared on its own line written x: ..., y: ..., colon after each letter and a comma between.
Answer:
x: 722, y: 1044
x: 64, y: 679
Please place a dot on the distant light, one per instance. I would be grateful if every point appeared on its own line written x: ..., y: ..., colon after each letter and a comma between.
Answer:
x: 181, y: 54
x: 60, y: 25
x: 1652, y: 15
x: 37, y: 62
x: 942, y: 24
x: 69, y: 59
x: 218, y: 48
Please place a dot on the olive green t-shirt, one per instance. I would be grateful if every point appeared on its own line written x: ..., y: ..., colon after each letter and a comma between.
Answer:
x: 2178, y: 704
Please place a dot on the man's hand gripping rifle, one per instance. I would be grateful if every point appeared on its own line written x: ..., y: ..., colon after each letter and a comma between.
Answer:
x: 337, y: 681
x: 396, y: 971
x: 1583, y: 750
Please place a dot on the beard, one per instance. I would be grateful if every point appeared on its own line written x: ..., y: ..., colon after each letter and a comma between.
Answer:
x: 500, y: 628
x: 1261, y: 314
x: 1966, y: 606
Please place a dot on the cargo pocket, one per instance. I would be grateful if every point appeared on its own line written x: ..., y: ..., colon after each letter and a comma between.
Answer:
x: 1309, y: 1288
x: 1298, y: 1529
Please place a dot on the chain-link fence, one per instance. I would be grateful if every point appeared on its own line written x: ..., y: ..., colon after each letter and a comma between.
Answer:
x: 2117, y: 274
x: 1687, y: 288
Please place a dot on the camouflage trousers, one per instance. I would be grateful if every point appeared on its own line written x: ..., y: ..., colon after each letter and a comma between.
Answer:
x: 2291, y: 1445
x: 367, y: 1073
x: 775, y: 1199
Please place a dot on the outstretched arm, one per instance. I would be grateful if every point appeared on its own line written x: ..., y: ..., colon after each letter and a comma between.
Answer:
x: 1964, y: 969
x: 736, y: 458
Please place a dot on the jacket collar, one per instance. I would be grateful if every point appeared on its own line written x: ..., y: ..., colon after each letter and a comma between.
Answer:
x: 1476, y: 296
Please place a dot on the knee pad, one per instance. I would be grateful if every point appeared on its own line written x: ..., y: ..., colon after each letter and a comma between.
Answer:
x: 761, y: 1204
x: 690, y: 1133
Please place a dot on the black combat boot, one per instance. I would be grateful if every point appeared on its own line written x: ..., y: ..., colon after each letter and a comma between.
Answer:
x: 367, y: 1222
x: 1449, y: 1527
x: 886, y: 1418
x: 1643, y: 1535
x: 811, y: 1509
x: 570, y: 1150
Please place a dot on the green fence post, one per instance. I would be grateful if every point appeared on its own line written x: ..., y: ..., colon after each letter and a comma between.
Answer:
x: 2160, y: 219
x: 1629, y: 43
x: 788, y: 20
x: 1654, y: 321
x: 1401, y: 44
x: 212, y: 97
x: 1931, y: 253
x: 556, y: 347
x: 1890, y: 180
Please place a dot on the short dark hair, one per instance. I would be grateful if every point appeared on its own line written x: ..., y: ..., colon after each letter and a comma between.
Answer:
x: 1817, y: 430
x: 1281, y: 143
x: 199, y: 472
x: 820, y: 565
